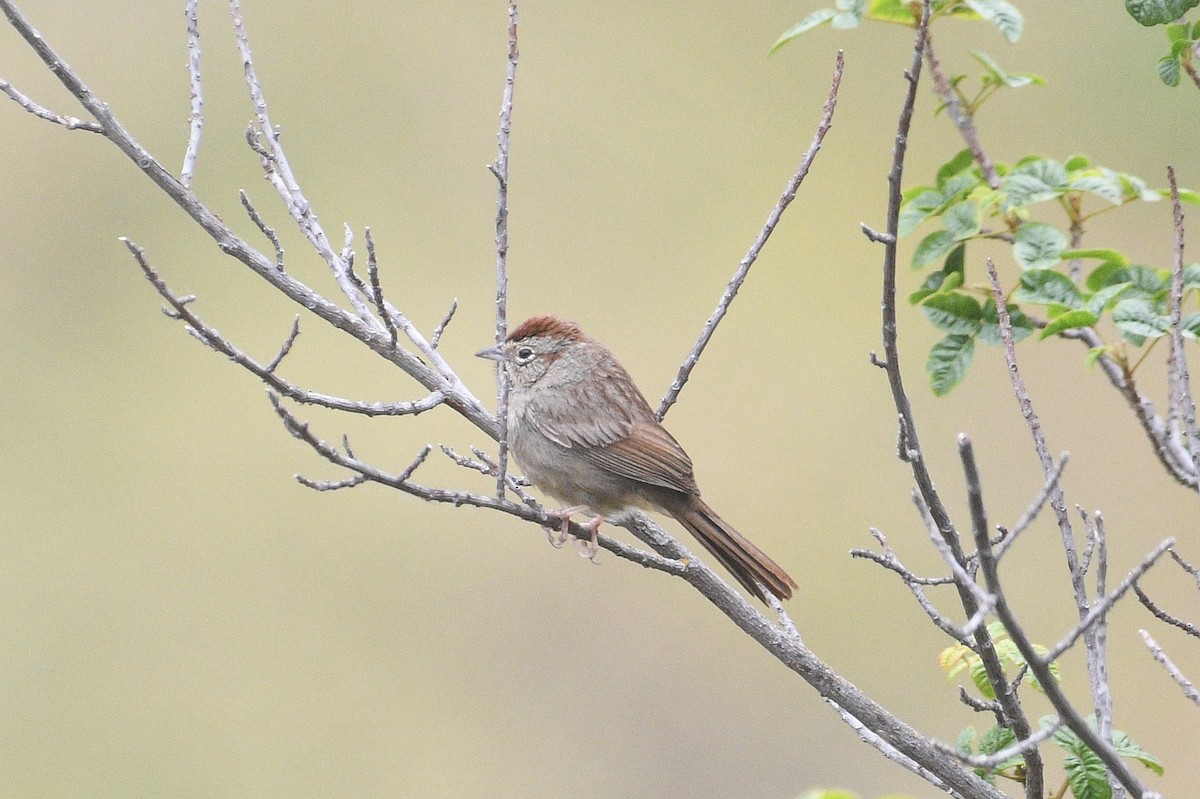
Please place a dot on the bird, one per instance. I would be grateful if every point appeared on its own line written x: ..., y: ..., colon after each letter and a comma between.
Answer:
x: 585, y: 435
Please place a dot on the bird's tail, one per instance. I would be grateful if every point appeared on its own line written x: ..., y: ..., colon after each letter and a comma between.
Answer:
x: 749, y: 564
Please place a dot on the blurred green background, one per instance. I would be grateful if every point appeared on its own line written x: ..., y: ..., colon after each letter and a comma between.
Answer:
x: 179, y: 618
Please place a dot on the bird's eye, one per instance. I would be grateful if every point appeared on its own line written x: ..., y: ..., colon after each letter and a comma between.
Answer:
x: 524, y: 355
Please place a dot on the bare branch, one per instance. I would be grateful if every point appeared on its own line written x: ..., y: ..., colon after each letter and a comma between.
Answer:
x: 867, y: 736
x: 1182, y: 406
x: 500, y: 170
x: 1022, y: 747
x: 1183, y: 682
x: 1005, y: 692
x: 978, y: 705
x: 1048, y: 486
x: 739, y: 276
x: 209, y: 336
x: 1187, y: 567
x: 1162, y: 615
x: 70, y: 123
x: 284, y: 348
x: 1038, y: 665
x: 889, y: 561
x: 1169, y: 450
x: 376, y: 290
x: 266, y: 229
x: 196, y: 112
x: 279, y: 173
x: 962, y: 120
x: 330, y: 485
x: 436, y: 338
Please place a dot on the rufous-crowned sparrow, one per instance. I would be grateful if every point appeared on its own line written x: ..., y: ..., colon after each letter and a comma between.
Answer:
x: 586, y: 436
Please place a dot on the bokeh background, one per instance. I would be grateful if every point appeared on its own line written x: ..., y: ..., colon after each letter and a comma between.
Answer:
x: 179, y: 618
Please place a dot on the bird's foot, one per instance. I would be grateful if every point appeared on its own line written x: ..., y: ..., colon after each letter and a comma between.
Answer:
x: 557, y: 536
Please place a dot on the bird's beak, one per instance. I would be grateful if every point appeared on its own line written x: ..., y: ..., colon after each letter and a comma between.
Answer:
x: 493, y: 353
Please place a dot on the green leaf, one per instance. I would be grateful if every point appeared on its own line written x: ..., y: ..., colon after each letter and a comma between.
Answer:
x: 899, y: 11
x: 1077, y: 162
x: 918, y: 208
x: 953, y: 312
x: 1021, y: 324
x: 932, y: 283
x: 1189, y: 326
x: 1147, y: 283
x: 1099, y: 301
x: 962, y: 184
x: 1135, y: 189
x: 1158, y: 12
x: 1191, y: 276
x: 1047, y: 170
x: 996, y: 738
x: 1004, y: 16
x: 1086, y: 774
x: 852, y: 13
x: 1169, y: 70
x: 1094, y: 354
x: 1127, y: 748
x: 948, y: 362
x: 1177, y: 32
x: 932, y: 247
x: 1104, y: 183
x: 961, y: 220
x: 1045, y: 287
x: 965, y: 739
x: 1189, y: 196
x: 823, y: 793
x: 961, y: 162
x: 1138, y: 319
x: 1038, y: 245
x: 814, y: 19
x: 1068, y: 321
x: 1021, y: 189
x: 1105, y: 274
x: 1111, y: 256
x: 998, y: 75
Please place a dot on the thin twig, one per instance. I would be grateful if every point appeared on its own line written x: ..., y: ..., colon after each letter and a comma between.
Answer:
x: 1035, y: 507
x: 1020, y: 748
x: 739, y: 276
x: 436, y: 338
x: 376, y: 289
x: 266, y: 229
x: 1182, y: 406
x: 1163, y: 616
x: 209, y: 336
x: 196, y: 109
x: 500, y: 170
x: 1009, y: 699
x: 280, y: 174
x: 961, y: 119
x: 1183, y: 682
x: 915, y: 584
x: 70, y: 123
x: 1038, y: 665
x: 1169, y: 450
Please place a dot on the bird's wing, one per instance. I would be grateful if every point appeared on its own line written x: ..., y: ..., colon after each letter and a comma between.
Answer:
x: 609, y: 423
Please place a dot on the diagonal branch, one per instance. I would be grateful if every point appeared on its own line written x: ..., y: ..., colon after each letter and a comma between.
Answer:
x: 209, y: 336
x: 743, y: 270
x: 1037, y: 664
